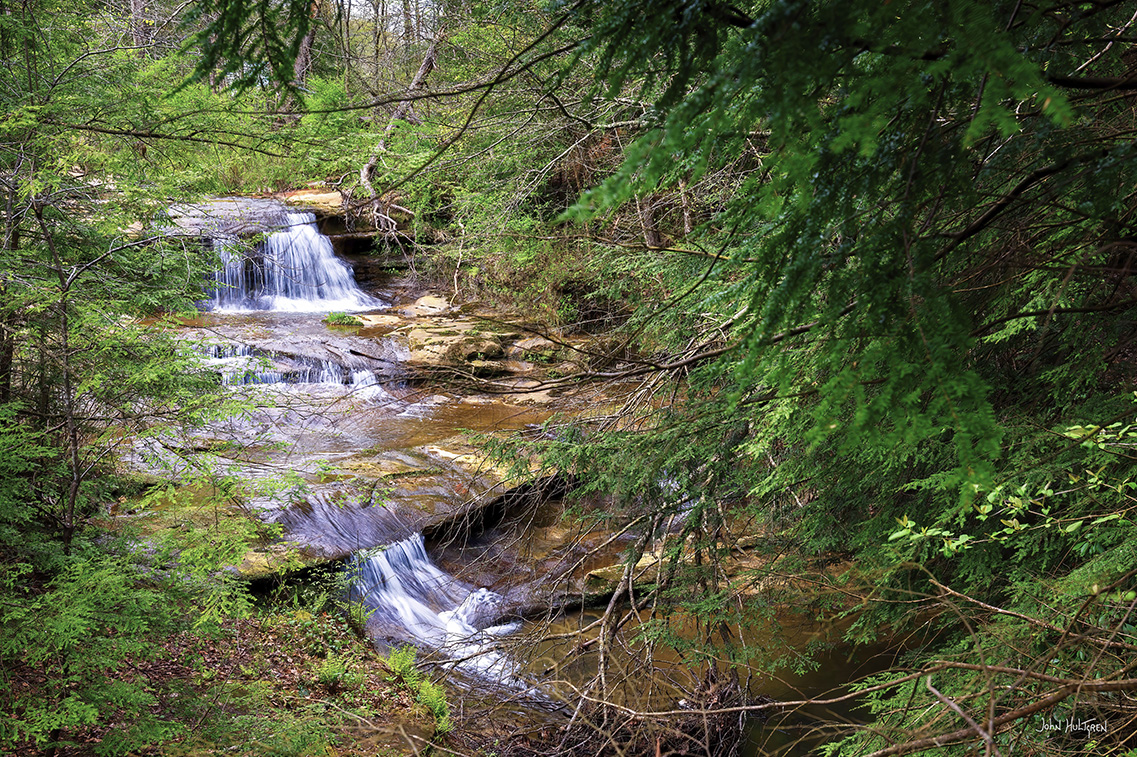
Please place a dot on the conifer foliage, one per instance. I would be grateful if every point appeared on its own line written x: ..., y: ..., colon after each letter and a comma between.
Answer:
x: 82, y: 378
x: 914, y: 340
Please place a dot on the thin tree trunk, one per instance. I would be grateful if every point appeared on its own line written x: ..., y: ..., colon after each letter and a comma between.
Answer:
x: 7, y: 327
x: 408, y: 29
x: 347, y: 52
x: 6, y: 47
x: 139, y: 29
x: 685, y: 201
x: 403, y: 112
x: 646, y: 212
x: 7, y: 352
x: 68, y: 520
x: 302, y: 66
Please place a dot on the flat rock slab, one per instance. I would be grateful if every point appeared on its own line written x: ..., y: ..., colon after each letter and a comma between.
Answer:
x: 322, y: 199
x: 329, y: 203
x: 373, y: 500
x: 230, y: 216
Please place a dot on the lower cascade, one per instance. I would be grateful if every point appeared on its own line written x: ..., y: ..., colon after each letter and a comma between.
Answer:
x: 293, y: 269
x: 408, y: 596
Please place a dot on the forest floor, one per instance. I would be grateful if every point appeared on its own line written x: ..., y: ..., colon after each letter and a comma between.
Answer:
x: 282, y: 682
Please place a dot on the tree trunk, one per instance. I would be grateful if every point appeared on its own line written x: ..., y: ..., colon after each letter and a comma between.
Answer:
x: 685, y: 201
x: 380, y: 26
x: 139, y: 28
x: 646, y: 212
x: 408, y: 29
x: 302, y: 66
x: 403, y: 112
x: 69, y: 507
x: 7, y: 326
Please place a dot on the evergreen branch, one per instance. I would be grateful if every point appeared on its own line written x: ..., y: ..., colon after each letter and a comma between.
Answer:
x: 159, y: 136
x: 987, y: 737
x: 1053, y: 311
x: 703, y: 356
x: 1045, y: 703
x: 1005, y: 201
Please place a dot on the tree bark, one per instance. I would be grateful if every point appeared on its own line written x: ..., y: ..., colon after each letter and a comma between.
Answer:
x: 404, y: 111
x: 67, y: 517
x: 646, y: 212
x: 302, y: 66
x: 7, y: 327
x: 139, y: 29
x: 685, y: 200
x: 408, y: 28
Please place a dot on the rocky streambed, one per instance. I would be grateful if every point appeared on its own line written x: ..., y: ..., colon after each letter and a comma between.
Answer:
x: 358, y: 435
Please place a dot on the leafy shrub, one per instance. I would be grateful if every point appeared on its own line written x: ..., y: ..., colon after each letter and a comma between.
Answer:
x: 340, y: 319
x: 433, y: 697
x: 332, y: 672
x: 80, y: 632
x: 401, y: 663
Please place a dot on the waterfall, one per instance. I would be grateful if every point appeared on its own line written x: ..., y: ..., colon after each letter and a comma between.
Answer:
x: 242, y: 364
x: 365, y: 384
x: 293, y: 269
x: 408, y: 595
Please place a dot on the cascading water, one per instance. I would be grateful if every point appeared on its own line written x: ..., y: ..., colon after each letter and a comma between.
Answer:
x: 332, y: 388
x: 293, y: 269
x: 242, y: 365
x: 407, y: 595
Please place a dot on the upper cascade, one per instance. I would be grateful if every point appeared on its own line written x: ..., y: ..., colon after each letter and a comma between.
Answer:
x: 293, y: 269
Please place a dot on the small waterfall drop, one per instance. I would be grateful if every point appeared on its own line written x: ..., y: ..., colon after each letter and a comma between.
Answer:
x: 294, y: 269
x: 243, y: 365
x: 408, y: 595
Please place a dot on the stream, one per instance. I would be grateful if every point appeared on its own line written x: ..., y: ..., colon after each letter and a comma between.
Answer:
x: 365, y: 458
x: 351, y: 455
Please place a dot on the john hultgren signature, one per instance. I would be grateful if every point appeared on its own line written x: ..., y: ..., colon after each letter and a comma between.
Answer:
x: 1063, y: 725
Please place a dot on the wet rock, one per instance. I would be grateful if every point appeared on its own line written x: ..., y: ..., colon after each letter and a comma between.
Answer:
x: 450, y: 344
x: 426, y: 306
x: 393, y: 495
x: 231, y: 216
x: 432, y: 303
x: 605, y: 580
x: 379, y: 320
x: 469, y: 460
x: 567, y: 368
x: 271, y: 560
x: 488, y: 368
x: 533, y: 348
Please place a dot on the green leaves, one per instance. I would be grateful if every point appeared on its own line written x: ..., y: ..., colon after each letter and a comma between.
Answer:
x: 80, y: 631
x: 249, y: 42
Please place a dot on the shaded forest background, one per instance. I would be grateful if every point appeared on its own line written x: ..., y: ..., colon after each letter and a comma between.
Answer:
x: 872, y: 265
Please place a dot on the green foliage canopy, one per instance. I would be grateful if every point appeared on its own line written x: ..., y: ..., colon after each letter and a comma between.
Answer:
x: 936, y: 180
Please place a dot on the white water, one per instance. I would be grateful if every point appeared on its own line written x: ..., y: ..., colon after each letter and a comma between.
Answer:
x: 242, y: 364
x: 294, y: 270
x: 365, y: 384
x: 408, y: 593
